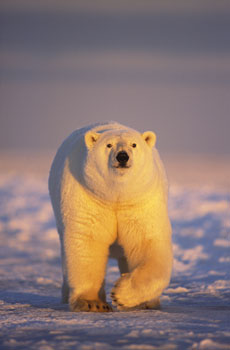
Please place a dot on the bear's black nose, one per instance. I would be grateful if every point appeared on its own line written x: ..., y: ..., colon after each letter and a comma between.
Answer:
x: 122, y: 157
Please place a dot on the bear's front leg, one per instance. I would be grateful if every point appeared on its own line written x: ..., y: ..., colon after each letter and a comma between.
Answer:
x: 146, y: 282
x: 150, y: 263
x: 86, y: 260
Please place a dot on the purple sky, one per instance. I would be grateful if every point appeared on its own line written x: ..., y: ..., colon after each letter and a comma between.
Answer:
x: 153, y: 67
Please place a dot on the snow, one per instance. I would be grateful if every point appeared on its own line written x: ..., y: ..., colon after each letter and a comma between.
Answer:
x: 195, y: 307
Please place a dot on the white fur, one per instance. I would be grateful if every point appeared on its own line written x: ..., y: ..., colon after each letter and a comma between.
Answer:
x: 101, y: 208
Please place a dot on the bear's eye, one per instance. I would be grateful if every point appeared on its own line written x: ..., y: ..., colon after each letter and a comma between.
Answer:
x: 109, y: 145
x: 134, y: 145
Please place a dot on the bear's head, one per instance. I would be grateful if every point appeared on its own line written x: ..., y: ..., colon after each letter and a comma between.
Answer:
x: 119, y: 162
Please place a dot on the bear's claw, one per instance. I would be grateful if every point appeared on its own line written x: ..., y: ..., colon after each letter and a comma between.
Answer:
x: 115, y: 302
x: 90, y: 306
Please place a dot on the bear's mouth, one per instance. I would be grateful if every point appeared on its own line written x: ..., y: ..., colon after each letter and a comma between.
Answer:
x: 122, y: 166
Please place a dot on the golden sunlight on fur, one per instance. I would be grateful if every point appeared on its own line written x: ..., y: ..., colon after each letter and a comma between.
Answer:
x: 109, y: 194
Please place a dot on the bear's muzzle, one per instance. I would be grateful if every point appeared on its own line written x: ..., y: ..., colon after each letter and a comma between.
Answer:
x: 122, y: 158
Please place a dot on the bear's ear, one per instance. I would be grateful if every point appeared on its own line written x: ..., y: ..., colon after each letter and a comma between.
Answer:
x: 91, y: 138
x: 150, y: 138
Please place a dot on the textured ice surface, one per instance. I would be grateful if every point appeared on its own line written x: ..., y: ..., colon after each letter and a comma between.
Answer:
x: 195, y: 310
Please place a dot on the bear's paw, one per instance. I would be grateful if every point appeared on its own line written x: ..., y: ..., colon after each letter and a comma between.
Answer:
x: 90, y: 306
x: 123, y: 294
x: 127, y: 295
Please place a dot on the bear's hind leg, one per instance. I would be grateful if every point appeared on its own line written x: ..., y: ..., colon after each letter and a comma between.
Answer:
x: 65, y: 286
x: 102, y: 294
x: 152, y: 304
x: 123, y: 265
x: 65, y: 292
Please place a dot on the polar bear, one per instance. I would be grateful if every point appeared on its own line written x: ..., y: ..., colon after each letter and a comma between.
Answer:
x: 109, y: 191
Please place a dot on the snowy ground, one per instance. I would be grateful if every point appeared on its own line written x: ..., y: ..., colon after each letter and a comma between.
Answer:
x: 195, y: 310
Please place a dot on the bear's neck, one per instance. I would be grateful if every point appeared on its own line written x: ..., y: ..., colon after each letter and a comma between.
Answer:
x: 123, y: 193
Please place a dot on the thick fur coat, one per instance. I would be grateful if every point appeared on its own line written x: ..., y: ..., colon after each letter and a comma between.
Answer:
x: 109, y: 194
